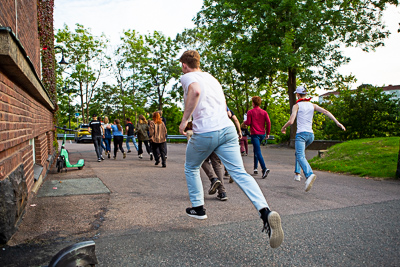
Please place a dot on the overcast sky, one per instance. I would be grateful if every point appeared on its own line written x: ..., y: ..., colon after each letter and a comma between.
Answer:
x: 112, y: 17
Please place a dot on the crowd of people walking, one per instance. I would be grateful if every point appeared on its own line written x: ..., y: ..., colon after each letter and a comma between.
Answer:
x: 152, y: 133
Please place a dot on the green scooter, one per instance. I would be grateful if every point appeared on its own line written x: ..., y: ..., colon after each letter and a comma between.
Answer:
x: 63, y: 159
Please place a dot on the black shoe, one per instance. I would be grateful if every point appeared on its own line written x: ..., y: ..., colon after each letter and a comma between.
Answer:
x: 151, y: 156
x: 102, y: 158
x: 222, y: 196
x: 255, y: 171
x: 129, y: 151
x: 272, y: 226
x: 265, y: 173
x: 164, y: 165
x: 214, y: 185
x: 157, y: 162
x: 99, y: 160
x: 108, y: 155
x: 197, y: 212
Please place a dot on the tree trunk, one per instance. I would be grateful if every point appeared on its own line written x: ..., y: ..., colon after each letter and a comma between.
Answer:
x: 82, y: 107
x: 291, y: 83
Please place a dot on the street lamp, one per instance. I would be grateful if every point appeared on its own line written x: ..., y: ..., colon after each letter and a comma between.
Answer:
x: 62, y: 62
x: 69, y: 108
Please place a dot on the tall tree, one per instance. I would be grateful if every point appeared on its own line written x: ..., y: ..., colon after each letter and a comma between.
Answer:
x: 130, y: 60
x: 87, y: 61
x: 301, y: 38
x: 161, y: 68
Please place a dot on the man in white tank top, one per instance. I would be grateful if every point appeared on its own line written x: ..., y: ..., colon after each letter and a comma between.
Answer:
x: 214, y: 132
x: 304, y: 110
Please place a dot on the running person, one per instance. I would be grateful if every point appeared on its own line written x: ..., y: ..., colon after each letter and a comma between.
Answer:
x: 213, y: 131
x: 304, y: 111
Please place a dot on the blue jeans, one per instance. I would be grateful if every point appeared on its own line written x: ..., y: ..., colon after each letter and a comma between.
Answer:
x: 303, y: 140
x: 128, y: 138
x: 256, y: 141
x: 107, y: 140
x: 225, y: 144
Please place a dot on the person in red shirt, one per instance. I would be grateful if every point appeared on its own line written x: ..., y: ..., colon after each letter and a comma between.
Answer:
x: 260, y: 128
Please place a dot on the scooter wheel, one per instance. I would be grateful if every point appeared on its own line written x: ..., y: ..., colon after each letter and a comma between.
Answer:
x: 58, y: 164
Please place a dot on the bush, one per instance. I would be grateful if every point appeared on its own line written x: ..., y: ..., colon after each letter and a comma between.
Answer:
x: 365, y: 112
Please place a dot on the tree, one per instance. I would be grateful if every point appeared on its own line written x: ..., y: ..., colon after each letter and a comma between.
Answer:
x: 130, y: 60
x: 161, y: 68
x: 87, y: 61
x: 366, y: 112
x: 300, y: 38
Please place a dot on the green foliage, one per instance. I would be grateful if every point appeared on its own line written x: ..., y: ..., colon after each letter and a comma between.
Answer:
x: 374, y: 157
x: 46, y: 37
x: 300, y: 38
x: 365, y: 112
x: 160, y: 69
x: 87, y: 60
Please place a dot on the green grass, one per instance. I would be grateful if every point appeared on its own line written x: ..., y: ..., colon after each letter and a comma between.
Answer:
x: 373, y: 157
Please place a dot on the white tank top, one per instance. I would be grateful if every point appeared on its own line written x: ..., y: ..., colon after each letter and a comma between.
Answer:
x: 305, y: 116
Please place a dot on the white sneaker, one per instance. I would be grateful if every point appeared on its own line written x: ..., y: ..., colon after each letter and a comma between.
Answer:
x: 309, y: 182
x: 255, y: 171
x: 140, y: 156
x: 297, y: 177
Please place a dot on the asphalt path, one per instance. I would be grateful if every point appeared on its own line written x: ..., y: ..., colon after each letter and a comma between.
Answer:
x: 343, y: 220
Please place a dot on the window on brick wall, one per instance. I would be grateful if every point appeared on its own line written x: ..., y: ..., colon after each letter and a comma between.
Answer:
x: 32, y: 143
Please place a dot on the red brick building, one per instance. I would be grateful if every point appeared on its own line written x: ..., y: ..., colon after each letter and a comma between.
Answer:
x: 26, y: 113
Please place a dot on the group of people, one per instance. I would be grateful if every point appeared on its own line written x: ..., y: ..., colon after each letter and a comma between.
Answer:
x: 213, y: 133
x: 151, y: 133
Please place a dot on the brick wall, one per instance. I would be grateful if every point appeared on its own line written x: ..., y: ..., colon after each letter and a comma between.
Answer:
x: 25, y: 27
x: 7, y: 14
x: 22, y: 119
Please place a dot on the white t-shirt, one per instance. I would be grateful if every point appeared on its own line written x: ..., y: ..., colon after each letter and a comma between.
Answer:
x: 210, y: 113
x: 305, y: 116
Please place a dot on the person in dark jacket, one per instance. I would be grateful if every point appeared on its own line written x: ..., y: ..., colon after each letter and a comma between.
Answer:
x: 142, y: 129
x: 95, y: 129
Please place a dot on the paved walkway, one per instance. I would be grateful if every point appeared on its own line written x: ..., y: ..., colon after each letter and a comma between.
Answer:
x: 140, y: 220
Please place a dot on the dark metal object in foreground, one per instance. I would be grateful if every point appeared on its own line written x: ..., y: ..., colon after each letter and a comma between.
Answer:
x: 77, y: 255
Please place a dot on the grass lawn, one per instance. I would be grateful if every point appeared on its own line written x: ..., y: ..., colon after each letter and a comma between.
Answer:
x: 373, y: 157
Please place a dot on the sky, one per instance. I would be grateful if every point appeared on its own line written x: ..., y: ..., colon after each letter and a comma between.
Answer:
x: 112, y: 17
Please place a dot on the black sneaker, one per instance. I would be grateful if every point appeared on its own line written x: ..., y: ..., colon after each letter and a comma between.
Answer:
x: 197, y: 212
x: 151, y: 156
x: 108, y: 155
x: 102, y: 158
x: 265, y: 173
x: 129, y: 151
x: 214, y: 185
x: 98, y: 160
x: 222, y: 196
x: 272, y: 226
x: 157, y: 162
x: 255, y: 171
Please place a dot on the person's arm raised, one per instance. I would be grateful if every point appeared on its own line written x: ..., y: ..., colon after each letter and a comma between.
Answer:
x: 327, y: 113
